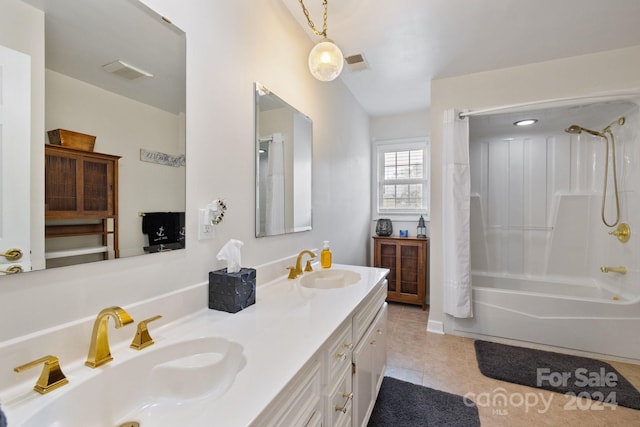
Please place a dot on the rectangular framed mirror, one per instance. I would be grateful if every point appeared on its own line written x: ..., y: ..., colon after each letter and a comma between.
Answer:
x: 284, y: 157
x: 129, y: 113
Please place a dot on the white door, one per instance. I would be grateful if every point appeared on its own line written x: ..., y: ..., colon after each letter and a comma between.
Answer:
x: 15, y: 148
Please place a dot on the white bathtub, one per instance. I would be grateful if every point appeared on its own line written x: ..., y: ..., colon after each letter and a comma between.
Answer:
x: 580, y: 316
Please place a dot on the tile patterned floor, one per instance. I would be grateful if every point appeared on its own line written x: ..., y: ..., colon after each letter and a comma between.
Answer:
x: 448, y: 363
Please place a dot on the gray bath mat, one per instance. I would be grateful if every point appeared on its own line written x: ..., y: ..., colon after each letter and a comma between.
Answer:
x: 403, y: 404
x: 561, y: 373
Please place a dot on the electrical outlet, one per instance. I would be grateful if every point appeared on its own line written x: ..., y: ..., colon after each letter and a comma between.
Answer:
x: 205, y: 227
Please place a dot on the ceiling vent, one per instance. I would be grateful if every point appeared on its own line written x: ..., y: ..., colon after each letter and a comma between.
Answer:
x: 122, y: 69
x: 357, y: 62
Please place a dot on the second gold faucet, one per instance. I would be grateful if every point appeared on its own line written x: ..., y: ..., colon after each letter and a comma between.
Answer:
x: 298, y: 270
x: 99, y: 351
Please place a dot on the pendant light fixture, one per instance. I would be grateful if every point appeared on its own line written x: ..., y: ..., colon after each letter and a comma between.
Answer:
x: 325, y: 59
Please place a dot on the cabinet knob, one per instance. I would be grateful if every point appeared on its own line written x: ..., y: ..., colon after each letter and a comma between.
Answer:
x: 341, y: 356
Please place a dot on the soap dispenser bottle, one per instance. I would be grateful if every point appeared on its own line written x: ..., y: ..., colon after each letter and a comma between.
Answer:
x: 325, y: 255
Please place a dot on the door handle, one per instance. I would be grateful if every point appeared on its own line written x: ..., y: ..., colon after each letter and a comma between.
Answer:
x: 12, y: 254
x: 14, y: 269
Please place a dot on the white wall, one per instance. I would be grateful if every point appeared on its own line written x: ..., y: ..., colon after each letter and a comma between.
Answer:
x: 229, y: 46
x: 397, y: 127
x: 568, y: 77
x: 122, y: 127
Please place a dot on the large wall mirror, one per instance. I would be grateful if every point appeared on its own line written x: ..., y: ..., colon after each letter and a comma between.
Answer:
x: 283, y: 165
x: 115, y: 70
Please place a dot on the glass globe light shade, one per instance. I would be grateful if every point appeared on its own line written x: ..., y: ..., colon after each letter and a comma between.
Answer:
x: 325, y: 60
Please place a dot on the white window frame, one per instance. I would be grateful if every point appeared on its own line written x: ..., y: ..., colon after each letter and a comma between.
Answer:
x: 381, y: 147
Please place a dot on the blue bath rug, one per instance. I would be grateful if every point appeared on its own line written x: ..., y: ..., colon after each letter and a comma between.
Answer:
x: 562, y: 373
x: 404, y: 404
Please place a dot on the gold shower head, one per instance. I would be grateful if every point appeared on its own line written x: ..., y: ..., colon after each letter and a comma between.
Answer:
x: 575, y: 129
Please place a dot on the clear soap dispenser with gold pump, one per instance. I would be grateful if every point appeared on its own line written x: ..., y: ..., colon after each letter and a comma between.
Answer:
x: 325, y: 255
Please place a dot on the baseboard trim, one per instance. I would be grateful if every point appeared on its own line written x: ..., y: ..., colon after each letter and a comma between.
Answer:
x: 435, y: 327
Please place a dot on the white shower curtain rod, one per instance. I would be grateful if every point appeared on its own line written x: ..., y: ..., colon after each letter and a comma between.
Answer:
x: 558, y: 102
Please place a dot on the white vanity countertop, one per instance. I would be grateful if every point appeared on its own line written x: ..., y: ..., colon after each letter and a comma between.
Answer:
x: 279, y: 334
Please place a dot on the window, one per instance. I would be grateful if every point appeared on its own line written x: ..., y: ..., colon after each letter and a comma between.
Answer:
x: 402, y: 177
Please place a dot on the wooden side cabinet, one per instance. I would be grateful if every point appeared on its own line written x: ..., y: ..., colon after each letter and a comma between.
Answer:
x: 407, y: 259
x: 81, y: 186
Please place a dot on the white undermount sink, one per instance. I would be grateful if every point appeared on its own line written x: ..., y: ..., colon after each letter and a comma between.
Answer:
x: 161, y: 386
x: 329, y: 279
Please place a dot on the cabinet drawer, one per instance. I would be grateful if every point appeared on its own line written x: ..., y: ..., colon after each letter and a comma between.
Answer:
x: 339, y: 402
x: 299, y: 403
x: 363, y: 317
x: 338, y: 353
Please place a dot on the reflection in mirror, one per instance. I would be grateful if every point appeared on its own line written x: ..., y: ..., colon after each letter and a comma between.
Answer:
x: 130, y: 201
x: 283, y: 166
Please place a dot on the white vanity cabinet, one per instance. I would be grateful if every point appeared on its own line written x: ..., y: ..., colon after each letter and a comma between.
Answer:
x: 339, y: 386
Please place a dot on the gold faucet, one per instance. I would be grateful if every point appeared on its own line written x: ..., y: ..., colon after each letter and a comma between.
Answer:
x: 299, y: 262
x: 99, y: 352
x: 51, y: 377
x: 621, y: 269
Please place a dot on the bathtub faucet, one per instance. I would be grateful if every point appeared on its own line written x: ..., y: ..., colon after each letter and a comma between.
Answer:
x: 621, y: 269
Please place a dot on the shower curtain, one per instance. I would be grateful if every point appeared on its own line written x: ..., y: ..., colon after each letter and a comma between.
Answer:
x: 274, y: 221
x: 456, y: 195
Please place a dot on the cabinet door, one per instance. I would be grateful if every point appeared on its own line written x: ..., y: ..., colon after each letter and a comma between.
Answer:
x: 370, y: 360
x: 379, y: 348
x: 363, y: 387
x: 387, y: 257
x: 97, y: 186
x: 61, y: 184
x: 411, y: 263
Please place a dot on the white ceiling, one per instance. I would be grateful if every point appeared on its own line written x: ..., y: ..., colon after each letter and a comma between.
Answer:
x: 83, y: 35
x: 408, y: 43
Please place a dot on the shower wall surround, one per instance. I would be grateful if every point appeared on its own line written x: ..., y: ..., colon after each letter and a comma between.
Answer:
x: 536, y: 199
x: 538, y: 241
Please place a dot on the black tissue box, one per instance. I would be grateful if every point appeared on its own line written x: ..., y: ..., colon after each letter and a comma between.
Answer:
x: 231, y: 292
